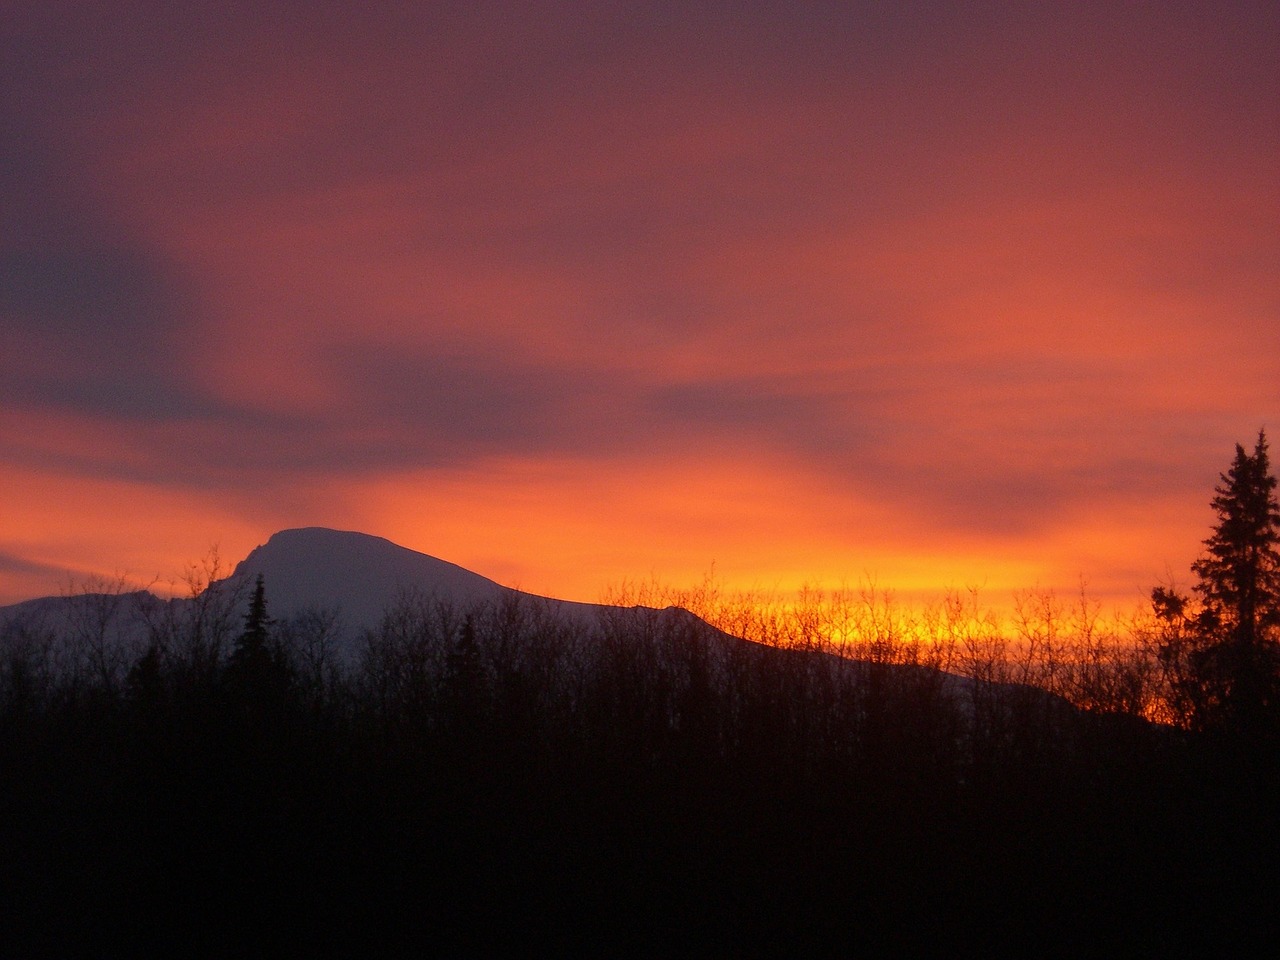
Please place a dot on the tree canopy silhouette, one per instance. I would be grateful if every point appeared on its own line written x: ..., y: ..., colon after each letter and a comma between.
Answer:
x: 256, y: 672
x: 1225, y: 650
x: 251, y: 646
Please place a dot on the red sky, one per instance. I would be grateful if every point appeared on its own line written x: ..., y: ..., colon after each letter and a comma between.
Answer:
x: 572, y: 293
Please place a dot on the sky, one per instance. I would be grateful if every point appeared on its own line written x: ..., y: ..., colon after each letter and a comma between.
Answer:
x: 929, y: 295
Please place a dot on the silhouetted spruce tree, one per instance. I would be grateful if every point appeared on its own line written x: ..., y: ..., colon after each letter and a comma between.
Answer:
x: 257, y: 675
x: 251, y: 645
x: 1226, y: 647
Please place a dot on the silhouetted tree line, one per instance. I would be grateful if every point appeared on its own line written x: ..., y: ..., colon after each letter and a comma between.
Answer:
x: 515, y: 776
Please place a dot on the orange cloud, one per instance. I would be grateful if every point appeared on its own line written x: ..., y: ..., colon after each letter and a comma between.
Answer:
x: 809, y: 294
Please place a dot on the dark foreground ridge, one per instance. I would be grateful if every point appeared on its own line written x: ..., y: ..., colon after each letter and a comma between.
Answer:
x: 481, y: 771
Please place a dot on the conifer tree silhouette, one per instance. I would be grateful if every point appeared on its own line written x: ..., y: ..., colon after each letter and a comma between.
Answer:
x: 1239, y: 575
x: 251, y: 645
x: 1226, y: 648
x: 257, y: 674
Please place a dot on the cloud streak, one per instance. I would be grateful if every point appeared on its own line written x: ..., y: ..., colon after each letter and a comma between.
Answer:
x: 985, y: 274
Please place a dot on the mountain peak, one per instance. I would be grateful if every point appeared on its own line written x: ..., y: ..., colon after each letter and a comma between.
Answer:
x: 360, y: 574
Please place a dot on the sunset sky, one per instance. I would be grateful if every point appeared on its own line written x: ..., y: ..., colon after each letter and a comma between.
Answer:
x: 569, y: 293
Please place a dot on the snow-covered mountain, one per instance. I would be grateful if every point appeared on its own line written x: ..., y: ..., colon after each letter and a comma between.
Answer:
x: 360, y: 577
x: 357, y: 579
x: 356, y: 576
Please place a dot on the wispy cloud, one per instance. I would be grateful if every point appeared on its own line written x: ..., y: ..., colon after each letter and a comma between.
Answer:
x: 988, y: 271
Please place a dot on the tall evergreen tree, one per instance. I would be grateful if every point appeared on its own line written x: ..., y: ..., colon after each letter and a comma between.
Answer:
x: 257, y: 674
x: 1239, y: 573
x: 251, y: 646
x: 1226, y: 653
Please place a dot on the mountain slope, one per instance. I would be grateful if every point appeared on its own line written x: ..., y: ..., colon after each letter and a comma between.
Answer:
x: 360, y: 578
x: 359, y: 575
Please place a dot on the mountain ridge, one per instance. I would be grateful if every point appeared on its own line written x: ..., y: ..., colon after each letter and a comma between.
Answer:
x: 360, y: 574
x: 357, y: 576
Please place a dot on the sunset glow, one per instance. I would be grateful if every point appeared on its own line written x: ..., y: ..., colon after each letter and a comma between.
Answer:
x: 571, y: 294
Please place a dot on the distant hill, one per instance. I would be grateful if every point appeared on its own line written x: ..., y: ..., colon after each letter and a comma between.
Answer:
x: 359, y: 575
x: 355, y: 575
x: 357, y: 578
